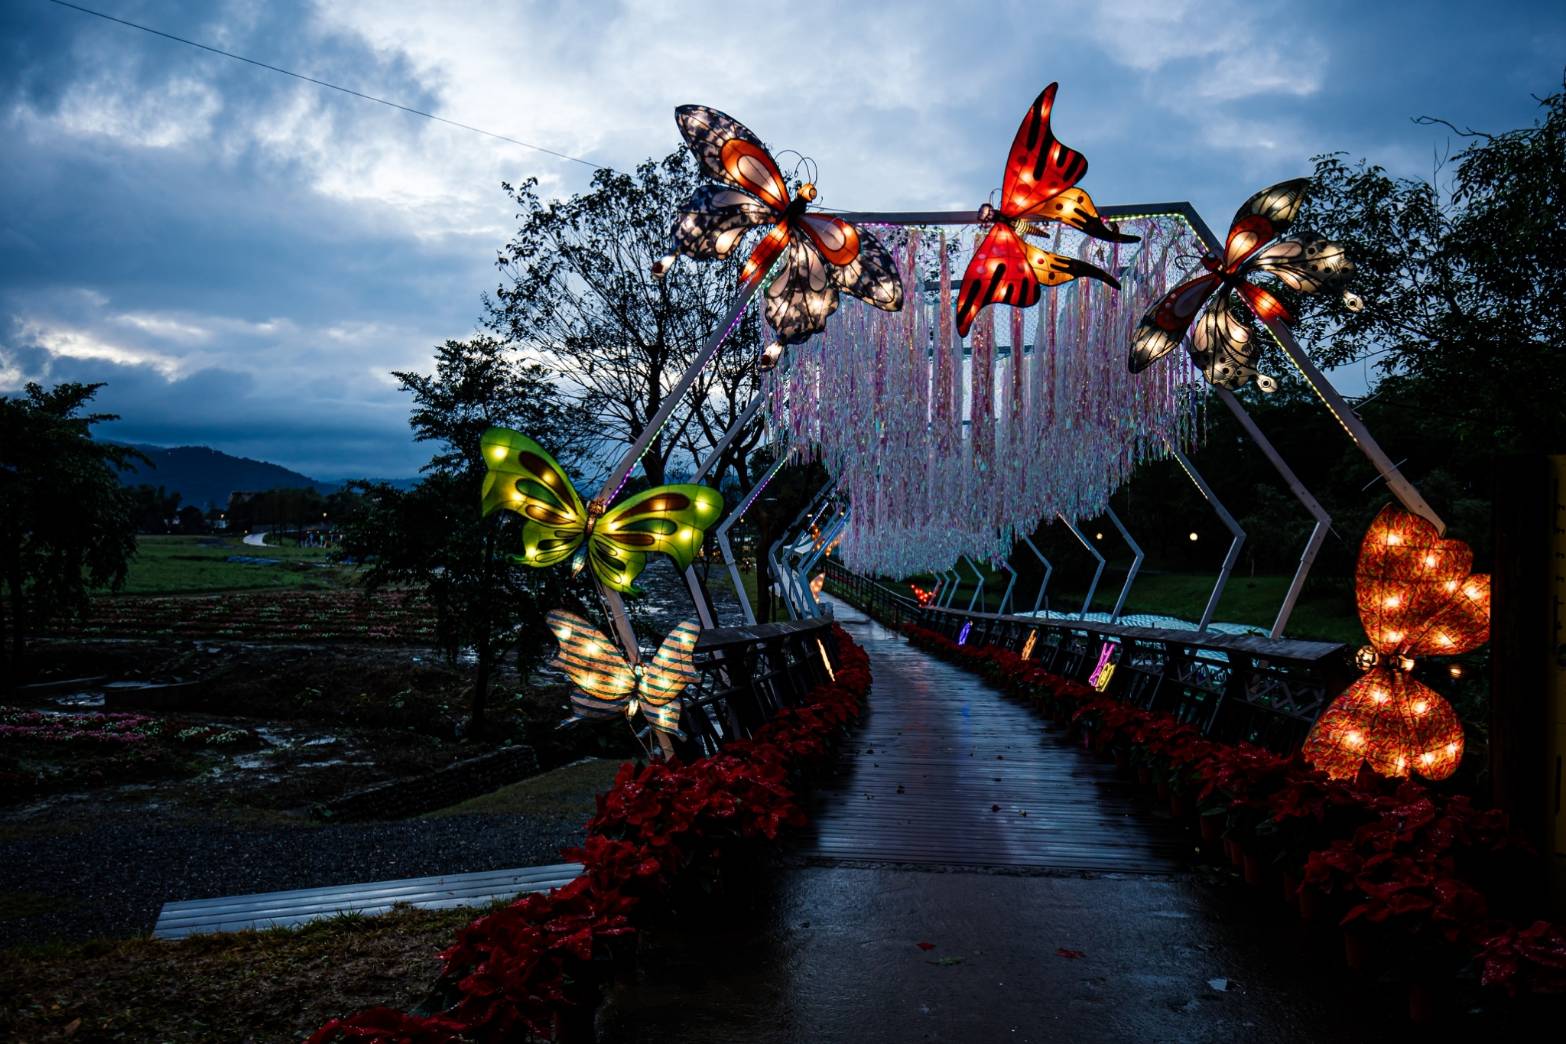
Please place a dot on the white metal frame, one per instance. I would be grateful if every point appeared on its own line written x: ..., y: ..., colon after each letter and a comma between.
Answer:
x: 1237, y: 534
x: 1098, y: 572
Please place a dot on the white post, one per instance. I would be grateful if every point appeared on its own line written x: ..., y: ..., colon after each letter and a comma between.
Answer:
x: 1098, y: 572
x: 1038, y: 599
x: 1318, y: 533
x: 722, y: 536
x: 1136, y: 564
x: 698, y: 596
x: 1010, y: 585
x: 611, y: 598
x: 1233, y: 553
x: 978, y: 576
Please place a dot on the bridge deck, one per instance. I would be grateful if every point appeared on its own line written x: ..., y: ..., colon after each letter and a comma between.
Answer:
x: 945, y: 770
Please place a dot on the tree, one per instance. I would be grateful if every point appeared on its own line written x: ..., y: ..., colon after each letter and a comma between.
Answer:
x: 1464, y: 283
x: 432, y: 538
x: 153, y: 508
x: 578, y: 289
x: 66, y: 522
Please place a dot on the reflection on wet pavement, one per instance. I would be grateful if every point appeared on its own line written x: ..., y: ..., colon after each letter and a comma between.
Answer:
x: 953, y: 950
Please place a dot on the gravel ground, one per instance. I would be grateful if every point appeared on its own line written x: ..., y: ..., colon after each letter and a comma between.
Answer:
x: 89, y: 873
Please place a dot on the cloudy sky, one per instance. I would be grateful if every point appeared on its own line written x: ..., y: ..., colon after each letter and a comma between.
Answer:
x: 243, y: 256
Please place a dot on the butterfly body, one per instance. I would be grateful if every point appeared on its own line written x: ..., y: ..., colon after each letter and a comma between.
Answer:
x: 614, y: 541
x: 1039, y: 187
x: 1221, y: 345
x: 820, y: 254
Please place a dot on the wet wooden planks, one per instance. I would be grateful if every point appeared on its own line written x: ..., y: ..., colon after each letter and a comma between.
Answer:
x: 947, y: 771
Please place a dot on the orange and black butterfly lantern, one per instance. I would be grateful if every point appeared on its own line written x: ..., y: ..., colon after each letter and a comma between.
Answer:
x: 1221, y: 344
x: 1416, y: 598
x: 1039, y: 187
x: 820, y: 254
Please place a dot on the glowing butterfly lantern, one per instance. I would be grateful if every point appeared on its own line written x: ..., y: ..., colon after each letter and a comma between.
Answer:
x: 817, y: 584
x: 1416, y: 598
x: 1027, y: 646
x: 923, y: 597
x: 1221, y: 345
x: 521, y: 477
x: 821, y: 254
x: 1038, y: 187
x: 608, y: 686
x: 967, y: 627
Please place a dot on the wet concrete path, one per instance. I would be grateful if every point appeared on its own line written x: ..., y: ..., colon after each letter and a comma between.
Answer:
x: 1078, y: 922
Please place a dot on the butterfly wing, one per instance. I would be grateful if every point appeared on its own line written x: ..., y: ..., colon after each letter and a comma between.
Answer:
x: 672, y: 520
x: 714, y: 220
x: 1415, y: 593
x: 521, y: 476
x: 727, y: 150
x: 802, y: 297
x: 1164, y: 325
x: 1006, y: 269
x: 669, y: 673
x: 871, y: 276
x: 1304, y: 262
x: 1076, y: 208
x: 596, y: 666
x: 1223, y: 349
x: 1263, y: 218
x: 835, y: 239
x: 1038, y: 167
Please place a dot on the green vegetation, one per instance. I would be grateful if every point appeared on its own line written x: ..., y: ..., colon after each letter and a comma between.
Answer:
x: 191, y: 564
x: 567, y: 792
x: 1324, y: 612
x: 271, y: 985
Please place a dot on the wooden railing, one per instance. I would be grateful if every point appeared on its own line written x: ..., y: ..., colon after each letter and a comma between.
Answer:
x: 1233, y: 687
x: 747, y: 675
x: 886, y: 604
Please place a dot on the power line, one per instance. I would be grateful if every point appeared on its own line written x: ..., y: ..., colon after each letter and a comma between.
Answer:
x: 327, y: 84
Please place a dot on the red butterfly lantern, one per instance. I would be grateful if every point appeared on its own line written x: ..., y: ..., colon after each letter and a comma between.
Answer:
x: 1221, y: 344
x: 1416, y: 598
x: 821, y: 254
x: 1039, y: 186
x: 923, y: 597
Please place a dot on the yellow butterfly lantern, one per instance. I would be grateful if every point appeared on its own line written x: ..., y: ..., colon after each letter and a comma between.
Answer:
x: 608, y: 685
x: 615, y: 541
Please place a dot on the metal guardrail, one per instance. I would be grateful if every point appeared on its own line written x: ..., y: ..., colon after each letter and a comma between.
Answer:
x: 1267, y: 691
x: 750, y: 673
x: 882, y: 602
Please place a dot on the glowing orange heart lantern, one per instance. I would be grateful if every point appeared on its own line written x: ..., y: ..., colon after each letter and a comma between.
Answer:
x: 1416, y: 598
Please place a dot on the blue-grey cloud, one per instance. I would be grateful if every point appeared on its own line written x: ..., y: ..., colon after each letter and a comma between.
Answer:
x: 243, y: 257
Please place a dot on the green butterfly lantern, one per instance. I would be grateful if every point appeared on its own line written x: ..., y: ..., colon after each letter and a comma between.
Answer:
x: 522, y: 477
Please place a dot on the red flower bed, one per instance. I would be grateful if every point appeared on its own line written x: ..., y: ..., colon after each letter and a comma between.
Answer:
x: 526, y: 968
x: 1428, y: 874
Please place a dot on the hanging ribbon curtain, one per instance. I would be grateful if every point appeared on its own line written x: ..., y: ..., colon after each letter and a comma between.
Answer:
x: 946, y: 449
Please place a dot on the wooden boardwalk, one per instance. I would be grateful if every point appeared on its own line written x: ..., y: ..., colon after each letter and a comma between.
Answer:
x: 947, y: 771
x: 280, y: 909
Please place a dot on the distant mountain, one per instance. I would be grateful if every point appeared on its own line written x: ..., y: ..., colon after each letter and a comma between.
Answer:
x: 205, y: 477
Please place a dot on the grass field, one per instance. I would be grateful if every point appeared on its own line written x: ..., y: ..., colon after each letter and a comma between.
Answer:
x: 191, y: 564
x: 1324, y: 613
